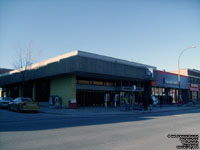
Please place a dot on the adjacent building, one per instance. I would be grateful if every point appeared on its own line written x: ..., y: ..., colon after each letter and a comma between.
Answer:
x: 167, y: 86
x: 193, y: 83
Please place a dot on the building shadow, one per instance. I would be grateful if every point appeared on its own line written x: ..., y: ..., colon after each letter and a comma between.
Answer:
x: 62, y: 121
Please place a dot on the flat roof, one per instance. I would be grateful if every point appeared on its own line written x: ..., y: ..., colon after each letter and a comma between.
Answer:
x: 79, y: 53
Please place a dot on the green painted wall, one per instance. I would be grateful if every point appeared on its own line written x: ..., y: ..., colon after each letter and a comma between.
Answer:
x: 64, y: 87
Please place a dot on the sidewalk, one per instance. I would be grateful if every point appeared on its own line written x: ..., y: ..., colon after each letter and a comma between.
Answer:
x: 93, y: 111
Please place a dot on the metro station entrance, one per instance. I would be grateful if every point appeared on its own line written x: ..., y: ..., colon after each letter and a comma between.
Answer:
x: 87, y: 98
x: 95, y: 98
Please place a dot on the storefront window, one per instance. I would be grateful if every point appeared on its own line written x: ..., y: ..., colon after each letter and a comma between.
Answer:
x: 194, y: 95
x: 153, y: 91
x: 156, y: 92
x: 160, y: 91
x: 83, y: 82
x: 163, y: 91
x: 98, y: 83
x: 109, y: 84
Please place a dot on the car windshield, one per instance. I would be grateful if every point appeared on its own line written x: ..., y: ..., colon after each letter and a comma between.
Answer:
x: 26, y: 100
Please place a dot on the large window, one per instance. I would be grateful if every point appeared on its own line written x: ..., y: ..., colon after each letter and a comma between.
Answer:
x: 109, y: 84
x: 83, y: 82
x: 194, y: 95
x: 98, y: 83
x: 158, y: 91
x: 95, y: 82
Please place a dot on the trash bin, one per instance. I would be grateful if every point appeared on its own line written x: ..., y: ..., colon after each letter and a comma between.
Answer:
x: 55, y: 102
x: 72, y: 104
x: 58, y: 102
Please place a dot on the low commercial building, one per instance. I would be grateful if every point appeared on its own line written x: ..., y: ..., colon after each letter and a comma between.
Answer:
x: 167, y: 86
x: 88, y: 78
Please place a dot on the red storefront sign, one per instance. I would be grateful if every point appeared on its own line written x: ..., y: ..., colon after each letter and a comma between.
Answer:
x: 153, y: 83
x: 194, y: 87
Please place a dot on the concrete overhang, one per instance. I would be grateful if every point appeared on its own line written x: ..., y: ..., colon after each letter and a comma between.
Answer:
x: 81, y: 64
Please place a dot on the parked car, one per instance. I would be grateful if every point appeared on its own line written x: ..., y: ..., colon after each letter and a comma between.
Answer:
x: 23, y: 104
x: 4, y: 101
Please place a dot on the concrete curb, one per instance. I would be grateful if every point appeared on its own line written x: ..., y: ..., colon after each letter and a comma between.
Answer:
x: 168, y: 110
x: 117, y: 113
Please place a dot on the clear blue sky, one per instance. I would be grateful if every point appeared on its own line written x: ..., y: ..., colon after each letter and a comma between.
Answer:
x: 146, y: 31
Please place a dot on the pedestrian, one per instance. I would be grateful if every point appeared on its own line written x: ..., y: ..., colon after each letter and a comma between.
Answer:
x: 150, y: 103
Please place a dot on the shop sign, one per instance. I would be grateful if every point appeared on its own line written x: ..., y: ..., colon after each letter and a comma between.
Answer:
x: 194, y: 89
x: 153, y: 83
x: 149, y: 72
x: 194, y: 85
x: 130, y: 89
x: 167, y: 81
x: 126, y: 88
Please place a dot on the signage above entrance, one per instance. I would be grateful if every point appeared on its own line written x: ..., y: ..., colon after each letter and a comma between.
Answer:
x: 194, y: 89
x: 149, y: 72
x: 131, y: 89
x: 194, y: 85
x: 167, y: 81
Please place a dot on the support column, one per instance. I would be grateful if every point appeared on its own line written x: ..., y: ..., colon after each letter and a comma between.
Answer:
x: 8, y: 92
x: 20, y: 91
x: 34, y: 91
x: 1, y: 91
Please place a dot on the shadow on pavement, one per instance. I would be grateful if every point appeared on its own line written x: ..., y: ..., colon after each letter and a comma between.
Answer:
x: 56, y: 122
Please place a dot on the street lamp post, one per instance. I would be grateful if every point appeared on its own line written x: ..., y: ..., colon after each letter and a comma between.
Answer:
x: 179, y: 78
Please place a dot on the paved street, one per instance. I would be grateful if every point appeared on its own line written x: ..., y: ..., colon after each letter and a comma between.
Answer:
x: 35, y: 131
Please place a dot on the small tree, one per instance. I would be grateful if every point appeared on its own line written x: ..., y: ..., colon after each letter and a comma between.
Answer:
x: 22, y: 62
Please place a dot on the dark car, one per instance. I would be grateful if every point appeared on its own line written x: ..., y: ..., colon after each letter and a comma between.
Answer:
x: 4, y: 101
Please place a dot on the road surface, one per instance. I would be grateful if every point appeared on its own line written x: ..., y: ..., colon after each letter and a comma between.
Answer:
x: 34, y: 131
